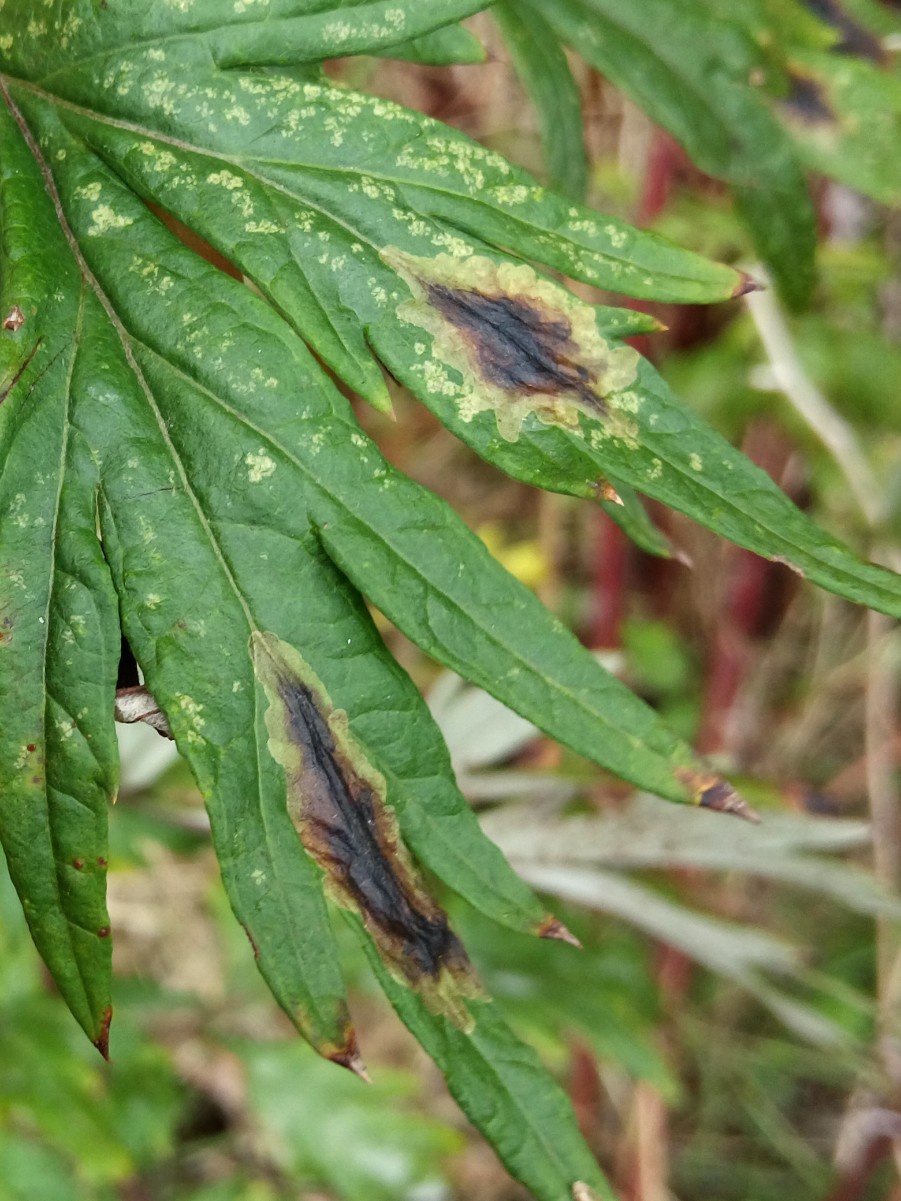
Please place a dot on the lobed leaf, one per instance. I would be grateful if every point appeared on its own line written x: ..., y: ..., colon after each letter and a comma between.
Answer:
x: 541, y: 65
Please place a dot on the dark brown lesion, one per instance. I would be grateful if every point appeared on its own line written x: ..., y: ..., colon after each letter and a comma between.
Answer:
x: 519, y: 348
x: 711, y: 791
x: 337, y: 803
x: 807, y: 101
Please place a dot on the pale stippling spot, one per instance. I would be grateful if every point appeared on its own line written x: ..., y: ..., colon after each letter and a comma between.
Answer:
x: 616, y: 236
x: 237, y: 686
x: 237, y: 113
x: 258, y: 876
x: 262, y: 227
x: 226, y: 180
x: 181, y: 6
x: 259, y: 466
x: 511, y: 193
x: 36, y: 29
x: 358, y: 440
x: 419, y: 348
x: 152, y: 600
x: 337, y: 31
x: 316, y: 442
x: 191, y: 709
x: 156, y: 55
x: 89, y: 191
x: 626, y: 401
x: 163, y: 160
x: 104, y: 218
x: 6, y: 41
x: 16, y: 578
x: 257, y: 374
x: 439, y: 383
x: 656, y: 469
x: 68, y: 637
x: 60, y: 155
x: 78, y: 623
x: 453, y: 244
x: 22, y: 758
x: 696, y: 462
x: 65, y: 729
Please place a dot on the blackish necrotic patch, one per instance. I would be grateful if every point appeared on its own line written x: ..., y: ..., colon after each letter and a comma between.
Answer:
x: 519, y: 349
x: 336, y: 800
x: 504, y: 339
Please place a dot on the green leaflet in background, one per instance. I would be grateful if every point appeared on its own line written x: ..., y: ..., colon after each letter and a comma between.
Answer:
x: 692, y: 72
x: 541, y: 65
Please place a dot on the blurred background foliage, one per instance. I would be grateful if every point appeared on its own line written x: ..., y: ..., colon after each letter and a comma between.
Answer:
x: 731, y: 1028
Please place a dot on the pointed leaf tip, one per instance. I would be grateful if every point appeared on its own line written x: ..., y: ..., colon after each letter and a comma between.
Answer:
x: 711, y: 791
x: 101, y: 1042
x: 747, y: 283
x: 552, y: 927
x: 352, y: 1060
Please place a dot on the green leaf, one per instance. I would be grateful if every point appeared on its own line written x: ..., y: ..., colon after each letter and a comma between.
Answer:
x: 502, y: 1088
x: 541, y: 65
x: 453, y: 44
x: 59, y: 634
x: 690, y: 71
x: 845, y: 115
x: 321, y: 1127
x: 191, y: 609
x: 283, y: 32
x: 603, y: 415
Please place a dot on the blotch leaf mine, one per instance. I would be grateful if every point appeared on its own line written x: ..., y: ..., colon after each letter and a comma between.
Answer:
x: 512, y: 342
x: 337, y: 802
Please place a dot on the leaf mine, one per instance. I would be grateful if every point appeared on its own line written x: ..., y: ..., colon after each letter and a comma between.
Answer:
x: 519, y: 343
x: 336, y: 800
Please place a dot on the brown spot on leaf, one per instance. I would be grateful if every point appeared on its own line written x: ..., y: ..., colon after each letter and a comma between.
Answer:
x: 336, y: 800
x: 747, y: 283
x: 101, y: 1042
x: 103, y: 932
x: 14, y: 319
x: 101, y: 862
x: 806, y: 100
x: 349, y: 1057
x: 252, y: 941
x: 711, y: 791
x: 31, y: 747
x: 20, y: 371
x: 78, y: 864
x: 552, y: 927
